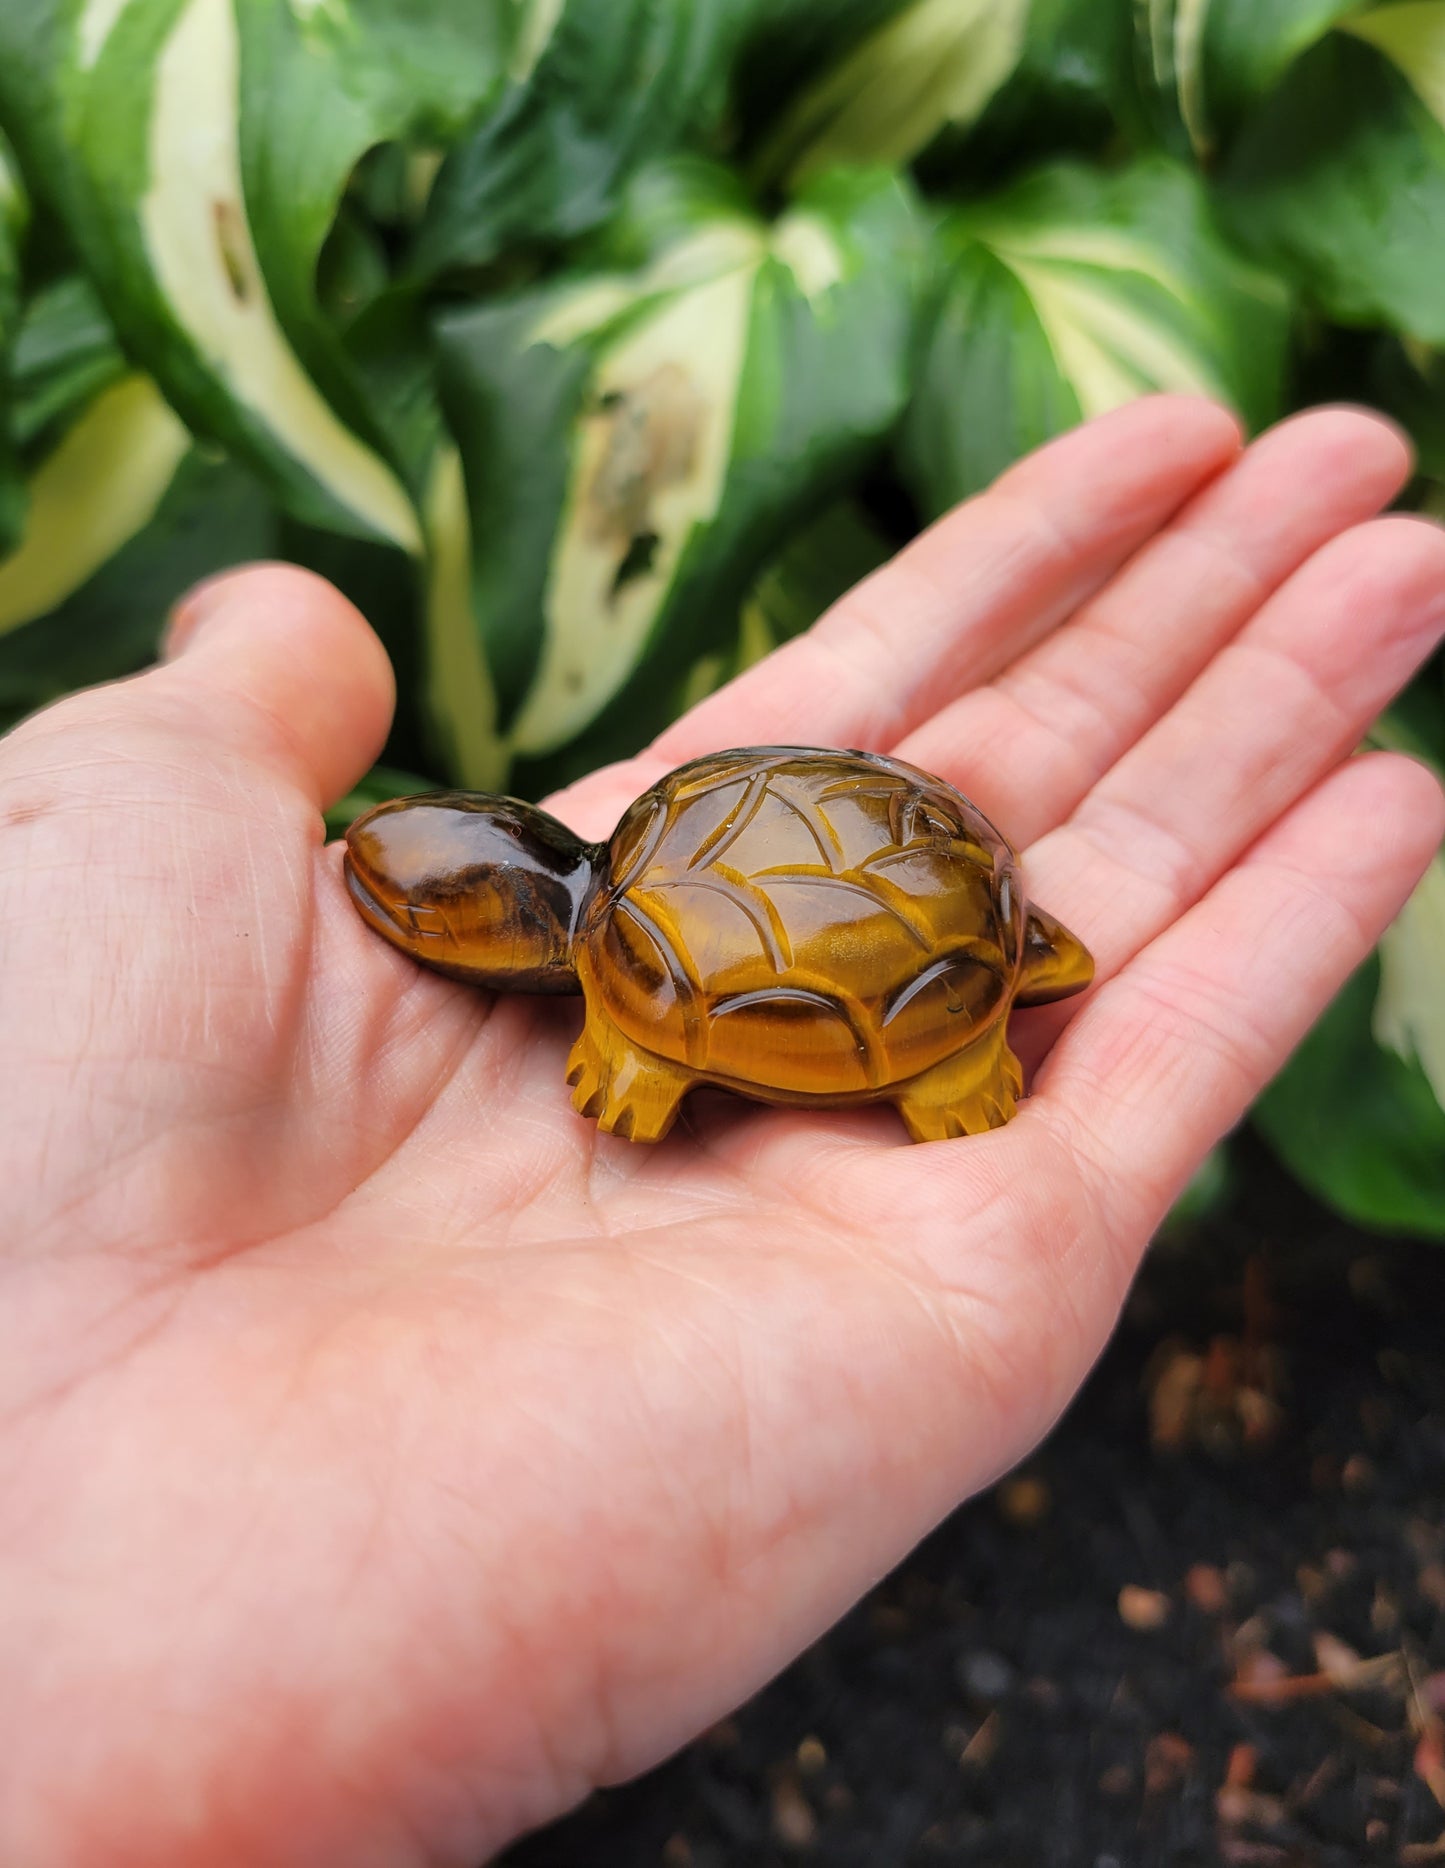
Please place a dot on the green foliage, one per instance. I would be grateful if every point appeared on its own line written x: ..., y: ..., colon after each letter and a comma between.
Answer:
x: 1359, y: 1122
x: 636, y: 445
x: 1359, y: 1111
x: 207, y: 515
x: 13, y: 209
x: 596, y: 91
x: 1073, y: 292
x: 64, y: 355
x: 1341, y: 182
x: 930, y: 67
x: 596, y: 346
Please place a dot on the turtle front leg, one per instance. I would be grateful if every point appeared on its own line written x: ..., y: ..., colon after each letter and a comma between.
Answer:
x: 967, y: 1094
x: 631, y: 1092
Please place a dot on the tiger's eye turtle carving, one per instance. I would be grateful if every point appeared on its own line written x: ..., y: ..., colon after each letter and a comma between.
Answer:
x: 799, y: 926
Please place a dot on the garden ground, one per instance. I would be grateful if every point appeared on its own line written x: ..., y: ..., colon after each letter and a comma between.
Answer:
x: 1205, y: 1624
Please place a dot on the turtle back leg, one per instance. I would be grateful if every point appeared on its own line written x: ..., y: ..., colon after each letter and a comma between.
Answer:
x: 974, y: 1090
x: 630, y: 1092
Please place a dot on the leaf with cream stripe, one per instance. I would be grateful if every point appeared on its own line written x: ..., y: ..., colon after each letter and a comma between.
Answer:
x: 637, y: 445
x: 197, y: 150
x: 1206, y: 62
x: 1359, y: 1112
x: 13, y: 213
x: 934, y: 66
x: 1069, y: 295
x: 1409, y: 1016
x: 1412, y: 36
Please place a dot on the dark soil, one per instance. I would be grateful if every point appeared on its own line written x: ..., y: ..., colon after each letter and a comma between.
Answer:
x: 1205, y: 1625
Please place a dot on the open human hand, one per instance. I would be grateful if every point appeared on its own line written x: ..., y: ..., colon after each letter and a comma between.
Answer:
x: 386, y: 1457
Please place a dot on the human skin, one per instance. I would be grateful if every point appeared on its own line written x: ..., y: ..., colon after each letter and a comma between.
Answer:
x: 386, y: 1457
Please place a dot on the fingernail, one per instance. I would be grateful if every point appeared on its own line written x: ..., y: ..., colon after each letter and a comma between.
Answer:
x: 190, y: 612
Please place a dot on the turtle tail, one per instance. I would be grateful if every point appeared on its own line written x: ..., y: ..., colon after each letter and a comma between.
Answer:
x: 1056, y: 963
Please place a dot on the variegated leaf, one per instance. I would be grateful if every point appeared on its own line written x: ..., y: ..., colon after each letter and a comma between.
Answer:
x: 1207, y: 61
x: 1069, y: 295
x: 197, y: 150
x: 596, y: 91
x: 934, y: 66
x: 97, y: 488
x: 13, y: 213
x: 1359, y: 1112
x: 636, y: 445
x: 1410, y: 1009
x: 1412, y: 37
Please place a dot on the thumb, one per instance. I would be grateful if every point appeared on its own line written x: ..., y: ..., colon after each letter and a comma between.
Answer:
x: 273, y: 661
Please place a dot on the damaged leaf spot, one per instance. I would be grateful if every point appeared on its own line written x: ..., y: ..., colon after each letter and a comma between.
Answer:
x: 231, y: 243
x: 638, y: 562
x: 652, y: 443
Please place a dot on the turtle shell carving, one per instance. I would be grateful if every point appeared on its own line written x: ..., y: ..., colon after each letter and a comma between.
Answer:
x: 798, y: 925
x: 806, y: 931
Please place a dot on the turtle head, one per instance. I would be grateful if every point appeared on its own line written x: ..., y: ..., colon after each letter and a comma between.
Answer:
x: 1055, y: 964
x: 484, y: 889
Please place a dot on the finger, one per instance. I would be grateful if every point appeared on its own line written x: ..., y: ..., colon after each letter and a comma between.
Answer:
x: 274, y: 662
x: 959, y: 603
x: 1275, y: 711
x: 1028, y: 746
x: 1169, y: 1056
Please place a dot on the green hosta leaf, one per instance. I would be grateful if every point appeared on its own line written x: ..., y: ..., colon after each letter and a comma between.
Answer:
x: 1339, y: 175
x: 1206, y: 61
x: 321, y: 83
x: 1411, y: 34
x: 124, y: 516
x: 461, y: 694
x: 1072, y: 82
x: 1359, y: 1123
x: 663, y: 206
x: 786, y: 44
x: 65, y: 355
x: 637, y: 445
x: 972, y: 84
x: 1359, y: 1112
x: 198, y: 150
x: 95, y: 490
x: 109, y: 606
x: 933, y: 66
x: 597, y: 90
x: 1073, y: 293
x: 818, y: 565
x: 1408, y: 380
x: 754, y: 639
x: 12, y: 222
x: 1409, y: 1014
x: 1416, y: 722
x: 14, y: 210
x: 131, y: 112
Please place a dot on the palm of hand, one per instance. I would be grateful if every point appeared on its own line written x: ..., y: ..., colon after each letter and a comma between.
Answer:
x: 387, y: 1457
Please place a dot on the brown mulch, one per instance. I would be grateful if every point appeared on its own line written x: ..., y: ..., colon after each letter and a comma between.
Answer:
x: 1206, y: 1624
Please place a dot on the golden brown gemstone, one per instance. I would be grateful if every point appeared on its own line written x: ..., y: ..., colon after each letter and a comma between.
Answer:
x: 799, y: 926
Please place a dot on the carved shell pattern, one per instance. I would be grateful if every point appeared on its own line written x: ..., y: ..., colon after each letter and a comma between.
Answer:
x: 805, y: 921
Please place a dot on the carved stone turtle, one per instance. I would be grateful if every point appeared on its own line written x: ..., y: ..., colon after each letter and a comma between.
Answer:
x: 797, y: 925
